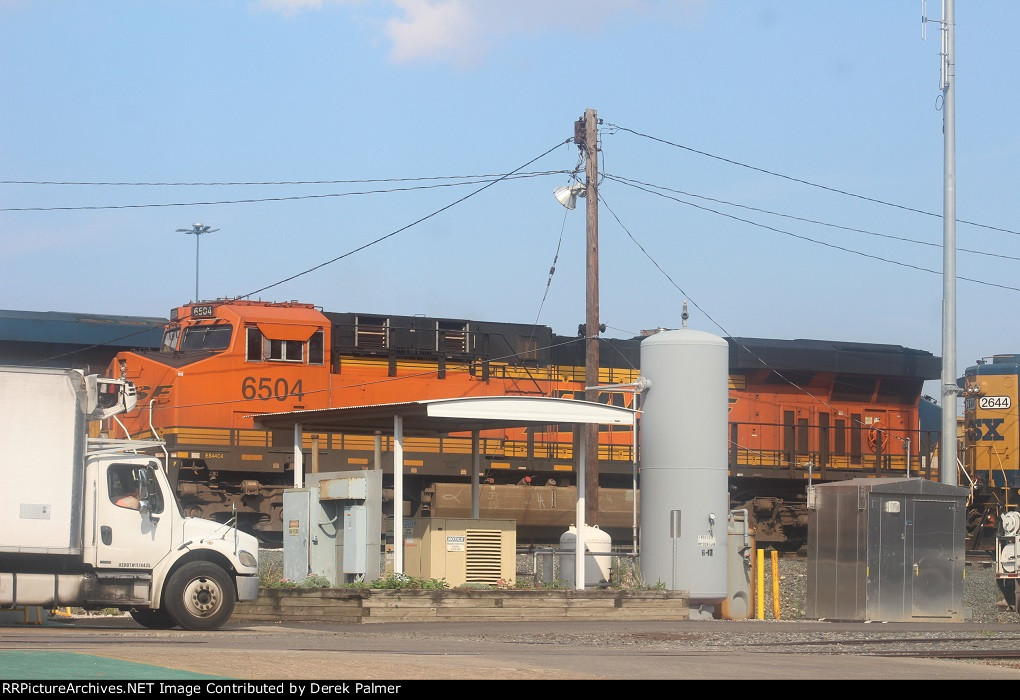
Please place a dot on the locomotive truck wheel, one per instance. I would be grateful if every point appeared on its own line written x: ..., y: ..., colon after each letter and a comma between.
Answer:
x: 200, y: 596
x: 153, y: 619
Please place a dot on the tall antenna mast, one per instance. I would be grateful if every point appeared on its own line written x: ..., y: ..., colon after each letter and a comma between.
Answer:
x: 950, y: 390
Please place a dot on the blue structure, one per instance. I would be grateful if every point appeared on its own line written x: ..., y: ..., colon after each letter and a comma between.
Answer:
x: 82, y: 341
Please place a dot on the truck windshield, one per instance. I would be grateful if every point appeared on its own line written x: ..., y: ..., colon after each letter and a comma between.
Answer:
x: 207, y: 337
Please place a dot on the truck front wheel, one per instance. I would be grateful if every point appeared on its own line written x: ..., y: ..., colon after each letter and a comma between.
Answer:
x: 200, y: 596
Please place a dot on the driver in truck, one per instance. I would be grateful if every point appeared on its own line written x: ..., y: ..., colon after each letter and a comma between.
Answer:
x: 123, y: 483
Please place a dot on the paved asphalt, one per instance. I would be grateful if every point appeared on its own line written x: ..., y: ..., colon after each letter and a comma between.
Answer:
x: 116, y: 648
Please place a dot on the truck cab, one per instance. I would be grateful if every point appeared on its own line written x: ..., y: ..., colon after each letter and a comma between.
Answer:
x: 137, y: 526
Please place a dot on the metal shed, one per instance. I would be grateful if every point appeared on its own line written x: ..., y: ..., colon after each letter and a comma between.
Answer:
x: 888, y: 550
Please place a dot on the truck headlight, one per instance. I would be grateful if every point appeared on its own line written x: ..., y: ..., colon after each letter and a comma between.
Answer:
x: 247, y: 558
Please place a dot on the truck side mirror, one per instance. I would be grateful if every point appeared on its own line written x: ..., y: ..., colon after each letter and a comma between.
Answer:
x: 142, y: 478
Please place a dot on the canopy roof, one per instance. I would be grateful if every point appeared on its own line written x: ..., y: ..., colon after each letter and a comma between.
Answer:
x: 439, y: 416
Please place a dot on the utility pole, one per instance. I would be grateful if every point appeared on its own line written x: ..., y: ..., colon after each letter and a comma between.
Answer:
x: 586, y: 136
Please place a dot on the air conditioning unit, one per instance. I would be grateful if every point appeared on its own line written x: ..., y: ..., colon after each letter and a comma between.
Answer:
x: 463, y: 550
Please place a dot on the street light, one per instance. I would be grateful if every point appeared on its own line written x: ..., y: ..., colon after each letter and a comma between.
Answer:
x: 567, y: 196
x: 197, y: 230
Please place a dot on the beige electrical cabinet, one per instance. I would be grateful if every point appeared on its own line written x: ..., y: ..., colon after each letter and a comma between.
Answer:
x: 463, y: 550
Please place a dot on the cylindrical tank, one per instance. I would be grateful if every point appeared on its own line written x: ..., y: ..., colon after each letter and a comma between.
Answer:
x: 684, y: 496
x: 598, y: 546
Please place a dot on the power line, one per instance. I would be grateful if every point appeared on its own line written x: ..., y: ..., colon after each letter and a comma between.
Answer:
x: 806, y: 182
x: 514, y: 176
x: 817, y: 242
x: 718, y: 325
x: 270, y: 182
x: 407, y: 226
x: 630, y: 181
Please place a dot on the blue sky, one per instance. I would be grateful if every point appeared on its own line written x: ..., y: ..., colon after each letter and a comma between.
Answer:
x: 841, y: 95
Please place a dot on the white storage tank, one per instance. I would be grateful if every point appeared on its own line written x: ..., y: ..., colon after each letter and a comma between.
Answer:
x: 598, y: 546
x: 683, y: 477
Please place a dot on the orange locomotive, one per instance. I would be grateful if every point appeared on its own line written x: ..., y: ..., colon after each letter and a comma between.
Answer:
x: 799, y: 410
x: 221, y: 362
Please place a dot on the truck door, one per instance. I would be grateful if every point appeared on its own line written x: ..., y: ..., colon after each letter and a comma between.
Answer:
x: 130, y: 536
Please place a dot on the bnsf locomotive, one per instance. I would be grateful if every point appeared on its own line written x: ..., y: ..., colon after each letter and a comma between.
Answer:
x: 801, y: 411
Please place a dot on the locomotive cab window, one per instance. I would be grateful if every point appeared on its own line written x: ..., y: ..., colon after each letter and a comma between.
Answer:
x: 253, y: 353
x: 213, y: 337
x: 316, y: 354
x: 170, y: 338
x: 284, y: 350
x: 270, y: 343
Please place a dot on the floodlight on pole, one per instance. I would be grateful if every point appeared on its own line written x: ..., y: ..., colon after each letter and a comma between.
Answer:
x: 197, y: 230
x: 567, y: 195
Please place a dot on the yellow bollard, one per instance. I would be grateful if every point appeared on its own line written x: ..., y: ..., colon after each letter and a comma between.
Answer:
x: 775, y: 584
x: 759, y: 598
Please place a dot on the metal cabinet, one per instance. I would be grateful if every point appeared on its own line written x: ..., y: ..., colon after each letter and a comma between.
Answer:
x: 887, y: 550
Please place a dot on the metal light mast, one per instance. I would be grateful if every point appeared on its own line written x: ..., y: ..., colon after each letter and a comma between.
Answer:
x: 950, y: 390
x: 197, y: 230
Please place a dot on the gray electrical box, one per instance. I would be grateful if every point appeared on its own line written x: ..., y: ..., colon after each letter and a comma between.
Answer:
x: 889, y: 550
x: 333, y: 528
x: 296, y: 507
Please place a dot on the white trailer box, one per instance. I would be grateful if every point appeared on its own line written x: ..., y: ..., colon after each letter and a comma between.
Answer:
x: 42, y: 453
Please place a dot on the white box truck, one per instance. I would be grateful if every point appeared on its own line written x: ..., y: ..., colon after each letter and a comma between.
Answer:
x: 93, y: 523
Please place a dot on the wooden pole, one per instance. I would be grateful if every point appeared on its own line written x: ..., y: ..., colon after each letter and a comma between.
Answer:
x: 591, y: 332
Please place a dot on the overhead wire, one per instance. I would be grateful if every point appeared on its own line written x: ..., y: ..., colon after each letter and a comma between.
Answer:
x: 625, y: 181
x: 265, y: 182
x: 813, y: 240
x: 631, y: 181
x: 559, y: 242
x: 801, y: 181
x: 514, y: 174
x: 256, y: 200
x: 716, y: 323
x: 391, y: 234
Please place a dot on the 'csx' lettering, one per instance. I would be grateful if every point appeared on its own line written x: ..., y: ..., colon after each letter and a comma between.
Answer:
x: 985, y: 429
x: 160, y: 390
